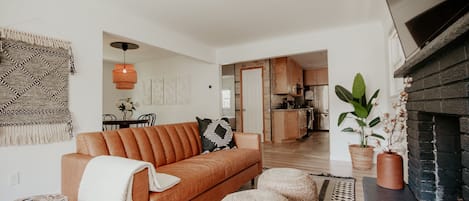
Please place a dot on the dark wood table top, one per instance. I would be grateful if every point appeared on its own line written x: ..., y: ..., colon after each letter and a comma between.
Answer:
x: 373, y: 192
x: 125, y: 123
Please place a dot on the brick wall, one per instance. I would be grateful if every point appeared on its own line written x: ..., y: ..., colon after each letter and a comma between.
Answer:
x: 439, y: 120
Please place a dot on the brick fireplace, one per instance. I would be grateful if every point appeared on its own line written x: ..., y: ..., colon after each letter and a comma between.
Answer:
x: 438, y: 121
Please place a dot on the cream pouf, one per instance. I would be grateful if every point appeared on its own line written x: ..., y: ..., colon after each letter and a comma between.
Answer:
x: 296, y: 185
x: 255, y: 195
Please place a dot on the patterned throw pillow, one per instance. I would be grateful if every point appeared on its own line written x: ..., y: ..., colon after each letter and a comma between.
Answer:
x: 215, y: 135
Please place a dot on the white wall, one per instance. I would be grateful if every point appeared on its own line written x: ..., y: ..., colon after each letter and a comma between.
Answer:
x: 81, y: 22
x: 204, y: 101
x: 351, y: 49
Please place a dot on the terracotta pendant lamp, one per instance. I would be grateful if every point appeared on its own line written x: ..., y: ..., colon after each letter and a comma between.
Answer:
x: 124, y: 75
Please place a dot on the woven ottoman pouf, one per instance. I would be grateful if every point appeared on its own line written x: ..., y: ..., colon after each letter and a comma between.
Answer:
x: 295, y: 185
x: 254, y: 195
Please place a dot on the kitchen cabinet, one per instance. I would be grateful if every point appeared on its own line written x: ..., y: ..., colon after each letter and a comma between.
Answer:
x: 287, y: 77
x: 288, y: 125
x: 316, y: 77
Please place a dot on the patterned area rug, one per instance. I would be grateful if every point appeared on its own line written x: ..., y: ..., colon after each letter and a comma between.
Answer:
x: 335, y: 188
x: 330, y: 187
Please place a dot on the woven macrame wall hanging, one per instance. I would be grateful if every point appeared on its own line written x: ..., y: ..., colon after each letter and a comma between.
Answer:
x: 34, y: 74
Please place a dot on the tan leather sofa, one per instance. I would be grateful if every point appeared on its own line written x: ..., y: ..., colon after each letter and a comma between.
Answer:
x: 173, y: 149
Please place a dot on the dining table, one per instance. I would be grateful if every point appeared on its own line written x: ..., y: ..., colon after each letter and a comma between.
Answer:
x: 125, y: 123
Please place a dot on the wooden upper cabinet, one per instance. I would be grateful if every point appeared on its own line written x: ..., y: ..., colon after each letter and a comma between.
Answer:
x: 286, y: 74
x: 280, y: 76
x: 323, y: 77
x: 316, y: 77
x: 310, y: 77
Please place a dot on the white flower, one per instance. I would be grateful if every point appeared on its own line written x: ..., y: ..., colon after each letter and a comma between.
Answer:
x: 125, y: 105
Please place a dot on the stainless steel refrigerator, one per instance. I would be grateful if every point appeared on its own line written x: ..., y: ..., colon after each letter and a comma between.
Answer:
x: 320, y: 102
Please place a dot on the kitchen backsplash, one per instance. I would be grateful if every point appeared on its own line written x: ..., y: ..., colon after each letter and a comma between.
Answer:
x: 277, y: 100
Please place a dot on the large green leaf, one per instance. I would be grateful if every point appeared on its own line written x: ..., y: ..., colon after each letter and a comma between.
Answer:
x: 374, y: 122
x: 363, y: 101
x: 348, y: 129
x: 342, y: 117
x: 343, y: 93
x: 378, y: 136
x: 369, y: 105
x: 360, y: 110
x: 359, y: 87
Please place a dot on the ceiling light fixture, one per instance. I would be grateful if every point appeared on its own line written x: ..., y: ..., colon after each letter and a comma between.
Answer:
x: 124, y: 75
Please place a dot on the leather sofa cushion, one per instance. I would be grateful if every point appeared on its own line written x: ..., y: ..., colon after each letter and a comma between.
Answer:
x: 202, y: 172
x: 159, y: 145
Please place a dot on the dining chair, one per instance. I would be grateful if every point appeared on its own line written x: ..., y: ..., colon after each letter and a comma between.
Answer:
x: 109, y: 117
x: 151, y: 117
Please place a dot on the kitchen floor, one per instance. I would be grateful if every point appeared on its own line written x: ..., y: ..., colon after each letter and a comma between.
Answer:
x: 312, y: 155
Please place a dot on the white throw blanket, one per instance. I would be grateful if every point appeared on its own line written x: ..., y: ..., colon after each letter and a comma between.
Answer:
x: 110, y: 178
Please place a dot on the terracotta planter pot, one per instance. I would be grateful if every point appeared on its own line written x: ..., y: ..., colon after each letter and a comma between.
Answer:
x: 362, y: 158
x: 390, y: 171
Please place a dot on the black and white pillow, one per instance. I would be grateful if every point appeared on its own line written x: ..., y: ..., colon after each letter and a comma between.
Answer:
x: 215, y: 135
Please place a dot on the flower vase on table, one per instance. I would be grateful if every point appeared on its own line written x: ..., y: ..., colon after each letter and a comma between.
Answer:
x: 127, y: 114
x: 126, y: 106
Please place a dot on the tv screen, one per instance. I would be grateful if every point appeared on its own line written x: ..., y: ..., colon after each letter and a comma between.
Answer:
x: 419, y: 21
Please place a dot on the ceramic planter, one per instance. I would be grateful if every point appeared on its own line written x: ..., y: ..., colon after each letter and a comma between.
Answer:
x: 362, y: 157
x: 390, y: 171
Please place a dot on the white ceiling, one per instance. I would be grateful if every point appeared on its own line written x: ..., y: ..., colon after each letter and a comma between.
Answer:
x: 311, y: 60
x: 143, y: 53
x: 221, y: 23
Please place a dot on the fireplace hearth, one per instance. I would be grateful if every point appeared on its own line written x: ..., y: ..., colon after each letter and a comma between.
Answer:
x: 438, y: 120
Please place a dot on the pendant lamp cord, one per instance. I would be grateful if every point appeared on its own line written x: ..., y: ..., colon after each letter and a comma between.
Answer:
x: 124, y: 47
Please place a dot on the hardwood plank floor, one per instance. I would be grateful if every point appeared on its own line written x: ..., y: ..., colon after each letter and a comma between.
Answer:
x: 312, y: 154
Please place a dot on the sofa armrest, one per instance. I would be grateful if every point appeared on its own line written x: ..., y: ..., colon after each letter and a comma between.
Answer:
x: 73, y: 166
x: 140, y: 186
x: 247, y: 140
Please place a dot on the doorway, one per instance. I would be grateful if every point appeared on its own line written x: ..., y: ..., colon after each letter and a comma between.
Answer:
x: 252, y: 101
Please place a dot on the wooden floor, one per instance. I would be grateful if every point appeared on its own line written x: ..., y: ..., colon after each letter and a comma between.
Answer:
x: 312, y: 154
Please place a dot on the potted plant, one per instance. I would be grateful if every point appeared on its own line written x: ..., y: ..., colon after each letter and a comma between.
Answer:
x: 361, y: 154
x: 389, y: 163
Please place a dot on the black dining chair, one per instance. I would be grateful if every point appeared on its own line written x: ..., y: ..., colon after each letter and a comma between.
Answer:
x: 110, y: 117
x: 151, y: 117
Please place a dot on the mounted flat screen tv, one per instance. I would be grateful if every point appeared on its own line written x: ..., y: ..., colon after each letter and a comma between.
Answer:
x: 419, y: 21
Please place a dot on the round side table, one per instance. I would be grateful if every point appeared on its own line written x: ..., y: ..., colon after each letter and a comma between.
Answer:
x: 49, y: 197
